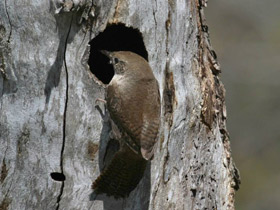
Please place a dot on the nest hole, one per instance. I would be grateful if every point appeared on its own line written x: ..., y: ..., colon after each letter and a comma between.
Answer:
x: 115, y: 37
x: 60, y: 177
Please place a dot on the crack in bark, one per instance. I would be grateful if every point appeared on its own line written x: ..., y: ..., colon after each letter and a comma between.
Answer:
x: 10, y: 23
x: 167, y: 27
x: 155, y: 20
x: 161, y: 178
x: 4, y: 171
x: 64, y: 115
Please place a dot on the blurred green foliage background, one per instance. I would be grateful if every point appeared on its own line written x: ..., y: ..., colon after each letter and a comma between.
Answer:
x: 246, y: 38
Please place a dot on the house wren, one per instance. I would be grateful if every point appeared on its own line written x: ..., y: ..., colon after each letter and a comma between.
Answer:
x: 133, y: 102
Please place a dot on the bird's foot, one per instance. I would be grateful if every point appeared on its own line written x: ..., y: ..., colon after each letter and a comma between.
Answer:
x: 101, y: 100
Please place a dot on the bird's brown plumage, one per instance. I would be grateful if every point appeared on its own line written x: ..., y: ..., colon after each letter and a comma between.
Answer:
x: 133, y: 101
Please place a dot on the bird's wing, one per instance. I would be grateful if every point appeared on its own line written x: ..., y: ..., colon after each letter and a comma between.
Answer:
x: 136, y: 112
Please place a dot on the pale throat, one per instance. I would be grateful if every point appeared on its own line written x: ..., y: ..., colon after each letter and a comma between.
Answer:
x: 122, y: 81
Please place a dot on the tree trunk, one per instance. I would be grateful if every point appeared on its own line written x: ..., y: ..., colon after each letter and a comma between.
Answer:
x: 54, y: 141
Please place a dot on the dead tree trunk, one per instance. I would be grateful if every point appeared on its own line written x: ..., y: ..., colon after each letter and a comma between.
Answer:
x: 53, y: 140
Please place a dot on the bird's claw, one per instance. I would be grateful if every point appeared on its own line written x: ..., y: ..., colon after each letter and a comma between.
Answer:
x: 101, y: 100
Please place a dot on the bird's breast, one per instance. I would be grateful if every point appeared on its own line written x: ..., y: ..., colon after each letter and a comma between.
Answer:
x: 122, y: 84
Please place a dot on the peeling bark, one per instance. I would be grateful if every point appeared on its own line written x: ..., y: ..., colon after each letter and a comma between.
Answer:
x: 55, y: 141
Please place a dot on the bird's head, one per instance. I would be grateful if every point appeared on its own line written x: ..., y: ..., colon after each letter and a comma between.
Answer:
x: 118, y: 61
x: 126, y: 62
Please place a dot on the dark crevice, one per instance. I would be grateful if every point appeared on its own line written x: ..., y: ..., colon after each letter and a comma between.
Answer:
x: 59, y: 196
x: 155, y: 20
x: 169, y: 96
x: 9, y: 77
x: 4, y: 171
x: 236, y: 179
x: 193, y: 192
x: 165, y: 162
x: 167, y: 28
x: 64, y: 117
x: 6, y: 10
x: 58, y: 176
x: 116, y: 37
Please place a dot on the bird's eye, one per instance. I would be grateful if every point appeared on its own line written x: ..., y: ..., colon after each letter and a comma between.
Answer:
x: 116, y: 60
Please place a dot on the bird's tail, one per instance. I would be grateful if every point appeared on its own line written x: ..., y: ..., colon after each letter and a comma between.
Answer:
x: 122, y: 175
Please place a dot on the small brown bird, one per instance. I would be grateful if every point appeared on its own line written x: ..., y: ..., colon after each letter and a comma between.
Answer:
x: 133, y: 102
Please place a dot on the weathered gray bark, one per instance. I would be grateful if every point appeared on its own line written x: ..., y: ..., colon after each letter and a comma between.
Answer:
x: 49, y: 122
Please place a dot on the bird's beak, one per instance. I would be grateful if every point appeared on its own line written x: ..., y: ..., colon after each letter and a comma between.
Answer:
x: 107, y: 53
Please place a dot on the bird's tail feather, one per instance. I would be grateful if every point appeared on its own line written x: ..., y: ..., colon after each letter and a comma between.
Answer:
x: 122, y: 175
